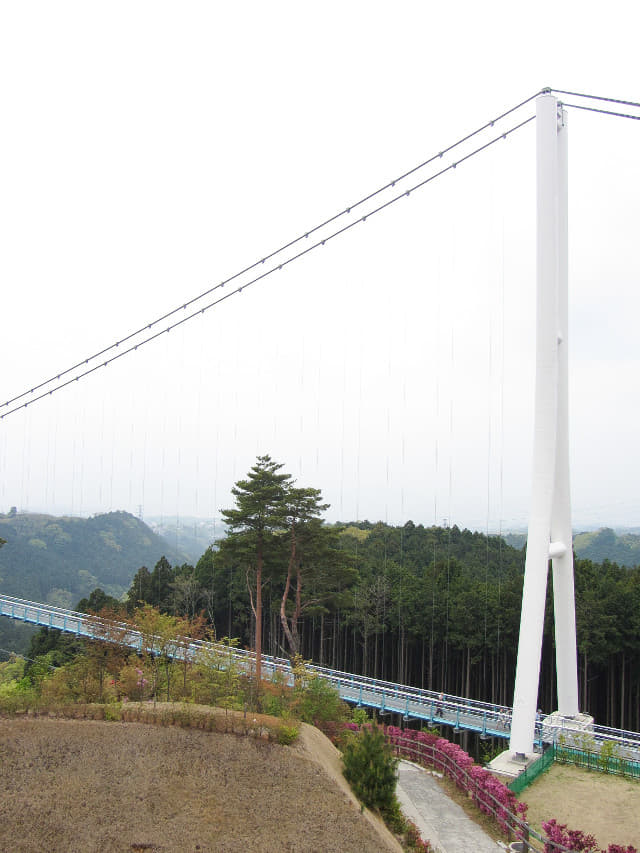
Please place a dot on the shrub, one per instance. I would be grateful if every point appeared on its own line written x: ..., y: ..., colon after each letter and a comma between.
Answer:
x: 276, y: 696
x: 133, y: 682
x: 609, y: 752
x: 317, y: 701
x: 370, y: 769
x: 287, y: 734
x: 413, y: 839
x: 11, y: 671
x: 571, y: 839
x: 360, y: 716
x: 14, y: 699
x: 575, y: 839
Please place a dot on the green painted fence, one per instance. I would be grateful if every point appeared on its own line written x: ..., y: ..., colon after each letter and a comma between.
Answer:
x: 531, y: 773
x: 605, y: 761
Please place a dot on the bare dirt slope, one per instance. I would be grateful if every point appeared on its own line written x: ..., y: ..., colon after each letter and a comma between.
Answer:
x: 93, y: 786
x: 603, y: 806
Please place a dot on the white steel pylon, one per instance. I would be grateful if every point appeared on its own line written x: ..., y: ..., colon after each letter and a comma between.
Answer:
x: 549, y: 534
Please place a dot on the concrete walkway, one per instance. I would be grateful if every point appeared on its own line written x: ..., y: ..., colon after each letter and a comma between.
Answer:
x: 439, y: 819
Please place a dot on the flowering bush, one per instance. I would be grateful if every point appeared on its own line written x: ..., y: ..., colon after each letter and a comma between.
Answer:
x: 572, y: 839
x: 413, y: 839
x: 132, y: 683
x: 575, y: 839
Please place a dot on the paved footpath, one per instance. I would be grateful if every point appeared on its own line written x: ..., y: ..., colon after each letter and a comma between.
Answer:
x: 440, y: 820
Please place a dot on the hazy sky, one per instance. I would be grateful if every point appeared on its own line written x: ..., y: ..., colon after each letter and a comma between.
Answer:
x: 151, y: 150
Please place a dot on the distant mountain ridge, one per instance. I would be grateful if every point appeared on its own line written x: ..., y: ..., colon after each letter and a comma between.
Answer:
x: 61, y: 559
x: 597, y: 546
x: 606, y: 544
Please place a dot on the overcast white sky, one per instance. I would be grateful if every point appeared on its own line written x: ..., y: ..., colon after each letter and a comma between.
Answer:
x: 150, y: 150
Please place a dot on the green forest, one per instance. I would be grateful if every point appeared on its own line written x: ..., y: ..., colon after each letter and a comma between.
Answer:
x: 435, y: 607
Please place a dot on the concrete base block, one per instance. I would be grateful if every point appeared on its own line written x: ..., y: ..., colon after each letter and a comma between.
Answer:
x: 512, y: 764
x: 571, y: 729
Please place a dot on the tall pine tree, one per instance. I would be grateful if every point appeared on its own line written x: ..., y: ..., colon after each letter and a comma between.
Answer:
x: 259, y: 515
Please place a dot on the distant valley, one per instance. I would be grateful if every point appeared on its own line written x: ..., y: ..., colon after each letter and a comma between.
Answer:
x: 188, y: 535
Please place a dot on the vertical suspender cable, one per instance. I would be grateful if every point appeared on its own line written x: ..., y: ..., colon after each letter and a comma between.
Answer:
x: 113, y: 452
x: 388, y: 460
x: 196, y: 494
x: 344, y: 395
x: 235, y: 424
x: 83, y: 433
x: 403, y: 437
x: 163, y: 466
x: 26, y: 465
x: 501, y: 697
x: 178, y: 435
x: 359, y: 422
x: 143, y: 484
x: 318, y: 393
x: 135, y: 416
x: 436, y: 462
x: 487, y: 530
x: 55, y: 455
x: 490, y: 279
x: 47, y: 503
x: 301, y: 404
x: 74, y: 443
x: 216, y: 466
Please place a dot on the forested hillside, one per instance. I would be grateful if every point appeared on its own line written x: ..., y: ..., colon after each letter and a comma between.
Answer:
x: 59, y: 560
x: 606, y: 544
x: 430, y: 606
x: 433, y: 607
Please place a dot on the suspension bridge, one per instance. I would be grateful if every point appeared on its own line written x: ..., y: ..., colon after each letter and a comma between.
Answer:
x: 550, y: 536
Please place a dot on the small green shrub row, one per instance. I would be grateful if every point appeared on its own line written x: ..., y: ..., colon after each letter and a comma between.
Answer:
x: 183, y: 715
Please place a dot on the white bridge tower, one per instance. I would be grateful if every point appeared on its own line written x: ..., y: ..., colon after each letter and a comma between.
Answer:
x: 550, y: 536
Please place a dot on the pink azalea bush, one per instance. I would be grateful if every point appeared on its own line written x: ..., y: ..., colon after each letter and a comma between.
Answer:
x: 572, y: 839
x: 414, y: 841
x: 575, y: 839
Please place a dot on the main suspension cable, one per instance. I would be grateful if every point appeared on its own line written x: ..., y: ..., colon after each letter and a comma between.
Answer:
x: 595, y: 97
x: 603, y: 112
x: 255, y: 280
x: 304, y: 236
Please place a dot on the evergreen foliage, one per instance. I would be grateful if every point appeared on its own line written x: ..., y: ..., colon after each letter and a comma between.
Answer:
x: 370, y: 769
x: 259, y: 514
